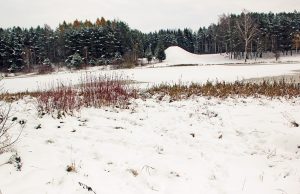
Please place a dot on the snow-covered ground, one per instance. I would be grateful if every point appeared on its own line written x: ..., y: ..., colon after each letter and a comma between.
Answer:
x: 199, y: 145
x: 163, y: 73
x: 149, y: 76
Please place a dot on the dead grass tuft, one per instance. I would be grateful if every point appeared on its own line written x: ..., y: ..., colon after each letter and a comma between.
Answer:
x: 71, y: 167
x: 223, y: 90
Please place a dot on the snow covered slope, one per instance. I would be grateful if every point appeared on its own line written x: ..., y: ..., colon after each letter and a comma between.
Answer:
x: 193, y: 146
x: 178, y: 56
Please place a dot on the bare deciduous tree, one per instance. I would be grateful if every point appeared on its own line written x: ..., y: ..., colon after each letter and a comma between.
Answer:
x: 247, y: 29
x: 6, y: 123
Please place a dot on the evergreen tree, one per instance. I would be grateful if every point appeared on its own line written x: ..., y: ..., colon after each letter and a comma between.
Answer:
x: 74, y: 61
x: 15, y: 49
x: 160, y: 52
x: 47, y: 62
x: 149, y: 54
x: 106, y: 41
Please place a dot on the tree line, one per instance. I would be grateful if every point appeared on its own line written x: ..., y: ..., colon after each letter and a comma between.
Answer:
x: 246, y: 35
x: 102, y: 42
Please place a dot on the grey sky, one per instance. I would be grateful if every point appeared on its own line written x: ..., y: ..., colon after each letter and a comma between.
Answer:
x: 145, y: 15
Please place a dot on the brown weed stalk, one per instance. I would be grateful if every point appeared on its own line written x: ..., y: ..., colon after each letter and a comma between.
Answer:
x: 223, y: 90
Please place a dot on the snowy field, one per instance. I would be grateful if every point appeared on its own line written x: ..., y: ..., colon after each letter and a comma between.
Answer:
x: 163, y: 73
x: 193, y: 146
x: 146, y: 77
x: 198, y: 145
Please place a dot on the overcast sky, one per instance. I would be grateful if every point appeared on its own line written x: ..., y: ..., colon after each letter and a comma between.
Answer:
x: 145, y: 15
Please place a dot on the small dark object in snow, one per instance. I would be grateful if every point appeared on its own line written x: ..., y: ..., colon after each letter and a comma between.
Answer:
x: 14, y: 118
x: 134, y: 172
x: 19, y: 163
x: 210, y: 114
x: 61, y: 122
x: 84, y: 186
x: 295, y: 124
x: 71, y: 168
x: 175, y: 174
x: 16, y: 160
x: 220, y: 136
x: 58, y: 126
x: 119, y: 127
x: 286, y: 175
x: 192, y: 134
x: 298, y: 147
x: 73, y: 131
x: 50, y: 141
x: 22, y: 122
x: 39, y: 126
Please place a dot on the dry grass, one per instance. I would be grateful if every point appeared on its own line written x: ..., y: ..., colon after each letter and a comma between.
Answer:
x: 71, y: 167
x: 115, y: 91
x: 224, y: 90
x: 11, y: 97
x: 133, y: 172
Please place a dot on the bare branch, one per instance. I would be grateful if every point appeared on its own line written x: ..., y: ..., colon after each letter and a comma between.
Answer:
x: 5, y: 125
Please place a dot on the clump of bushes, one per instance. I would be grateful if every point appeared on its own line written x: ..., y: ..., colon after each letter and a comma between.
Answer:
x: 91, y: 92
x: 116, y: 91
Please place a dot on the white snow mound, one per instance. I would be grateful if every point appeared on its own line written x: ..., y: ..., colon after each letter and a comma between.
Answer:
x: 178, y: 56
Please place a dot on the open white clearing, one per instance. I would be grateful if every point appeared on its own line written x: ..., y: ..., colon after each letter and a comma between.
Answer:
x: 212, y: 67
x: 199, y: 145
x: 146, y: 77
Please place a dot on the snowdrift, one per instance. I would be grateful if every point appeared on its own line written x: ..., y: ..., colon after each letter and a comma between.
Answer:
x: 178, y: 56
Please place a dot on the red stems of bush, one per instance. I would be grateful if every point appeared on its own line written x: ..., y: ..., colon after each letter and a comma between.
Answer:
x: 91, y: 92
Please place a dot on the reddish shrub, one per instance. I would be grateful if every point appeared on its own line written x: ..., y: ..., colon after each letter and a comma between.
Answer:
x: 91, y: 92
